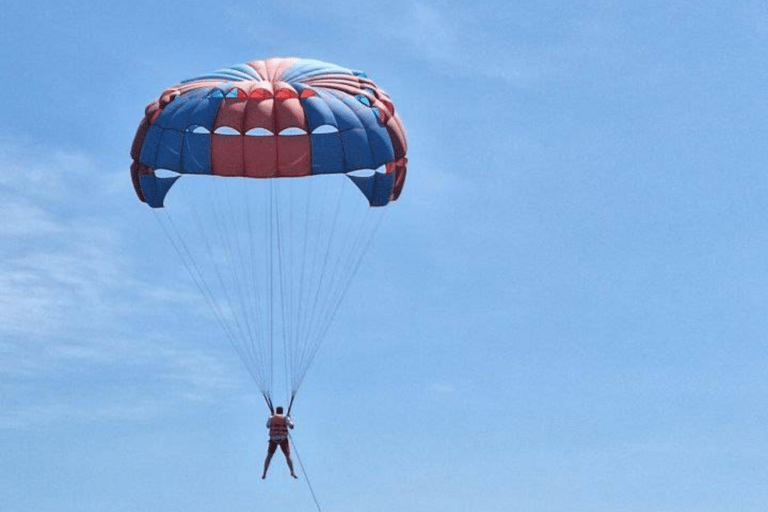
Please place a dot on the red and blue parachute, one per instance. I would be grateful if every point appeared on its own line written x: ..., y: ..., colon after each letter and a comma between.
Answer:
x: 272, y: 258
x: 282, y: 117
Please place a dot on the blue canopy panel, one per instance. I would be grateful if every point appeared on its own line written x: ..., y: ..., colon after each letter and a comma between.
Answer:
x: 377, y: 137
x: 169, y: 150
x: 171, y: 142
x: 377, y: 188
x: 361, y: 141
x: 177, y: 113
x: 316, y: 111
x: 327, y: 153
x: 155, y: 189
x: 196, y: 153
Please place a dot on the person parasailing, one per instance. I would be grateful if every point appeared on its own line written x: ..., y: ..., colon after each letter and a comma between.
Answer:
x: 278, y: 426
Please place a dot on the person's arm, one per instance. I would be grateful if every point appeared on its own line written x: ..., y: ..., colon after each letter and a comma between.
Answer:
x: 290, y: 422
x: 269, y: 421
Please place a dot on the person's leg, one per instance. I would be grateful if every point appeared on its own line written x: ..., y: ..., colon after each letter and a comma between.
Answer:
x: 270, y: 452
x: 286, y: 447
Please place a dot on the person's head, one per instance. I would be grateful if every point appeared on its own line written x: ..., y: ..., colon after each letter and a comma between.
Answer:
x: 279, y: 410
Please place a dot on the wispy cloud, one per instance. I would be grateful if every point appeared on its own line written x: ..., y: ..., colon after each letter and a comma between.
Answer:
x: 70, y: 295
x: 62, y: 261
x: 442, y: 388
x: 429, y: 31
x: 490, y: 41
x: 22, y: 416
x: 754, y: 16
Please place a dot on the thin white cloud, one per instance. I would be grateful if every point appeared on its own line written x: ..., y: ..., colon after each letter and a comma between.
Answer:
x: 471, y: 41
x: 754, y: 17
x: 64, y: 262
x: 442, y: 388
x: 25, y: 415
x: 22, y: 218
x: 70, y: 294
x: 429, y: 31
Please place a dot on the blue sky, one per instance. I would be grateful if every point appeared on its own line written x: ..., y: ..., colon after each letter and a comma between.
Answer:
x: 570, y: 296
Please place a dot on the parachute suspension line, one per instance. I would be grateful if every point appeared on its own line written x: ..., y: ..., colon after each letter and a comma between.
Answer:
x: 250, y: 306
x: 204, y: 236
x: 239, y: 270
x: 342, y: 267
x: 230, y: 235
x: 254, y: 366
x: 281, y: 279
x: 223, y: 242
x: 265, y: 271
x: 290, y: 404
x: 247, y: 197
x: 289, y: 273
x: 349, y: 234
x: 291, y: 278
x: 312, y: 234
x: 287, y: 349
x: 296, y: 298
x: 313, y: 312
x: 271, y: 301
x: 346, y: 285
x: 294, y: 342
x: 194, y: 271
x: 363, y: 245
x: 248, y: 276
x: 196, y: 274
x: 258, y: 278
x: 316, y: 214
x: 359, y: 242
x: 304, y: 472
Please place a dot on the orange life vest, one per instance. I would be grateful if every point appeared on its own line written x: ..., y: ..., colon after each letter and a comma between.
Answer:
x: 278, y: 427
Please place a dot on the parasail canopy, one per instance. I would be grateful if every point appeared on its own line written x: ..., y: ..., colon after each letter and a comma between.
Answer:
x: 282, y: 117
